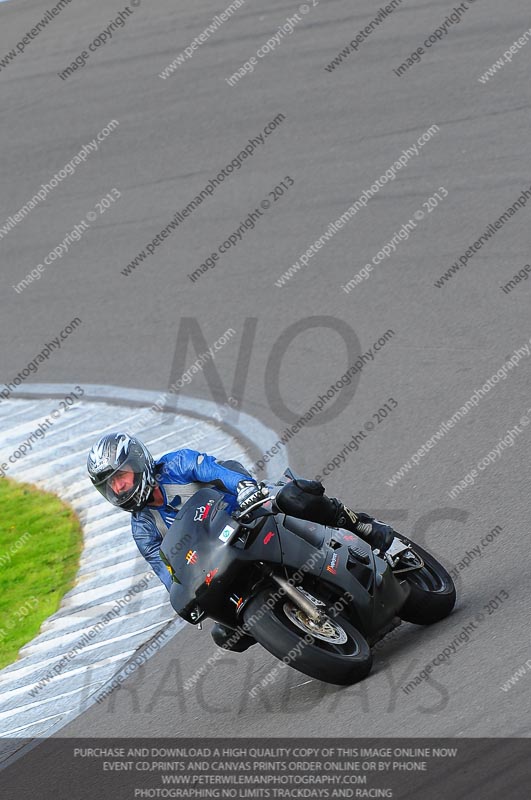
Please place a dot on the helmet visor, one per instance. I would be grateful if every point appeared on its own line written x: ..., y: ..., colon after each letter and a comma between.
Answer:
x: 119, y: 485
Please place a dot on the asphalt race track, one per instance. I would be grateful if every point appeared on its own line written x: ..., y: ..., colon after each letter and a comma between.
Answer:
x: 453, y: 156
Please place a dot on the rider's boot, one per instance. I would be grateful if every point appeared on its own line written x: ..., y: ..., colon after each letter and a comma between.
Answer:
x: 231, y: 639
x: 371, y: 530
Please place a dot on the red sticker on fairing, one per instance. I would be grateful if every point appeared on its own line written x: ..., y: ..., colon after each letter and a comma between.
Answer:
x: 202, y: 512
x: 268, y: 537
x: 210, y: 575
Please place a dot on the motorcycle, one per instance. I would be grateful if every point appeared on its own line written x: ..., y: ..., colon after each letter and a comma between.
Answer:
x: 314, y: 596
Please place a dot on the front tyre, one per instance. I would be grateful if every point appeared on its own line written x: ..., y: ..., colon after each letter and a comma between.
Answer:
x: 432, y: 591
x: 332, y: 651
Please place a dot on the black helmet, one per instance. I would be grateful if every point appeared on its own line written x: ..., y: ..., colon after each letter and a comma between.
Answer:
x: 119, y: 452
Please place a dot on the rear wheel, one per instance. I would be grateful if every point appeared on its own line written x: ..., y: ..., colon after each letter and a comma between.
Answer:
x: 432, y: 591
x: 331, y: 650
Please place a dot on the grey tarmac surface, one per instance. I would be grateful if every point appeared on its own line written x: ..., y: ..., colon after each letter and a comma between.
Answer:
x: 342, y: 129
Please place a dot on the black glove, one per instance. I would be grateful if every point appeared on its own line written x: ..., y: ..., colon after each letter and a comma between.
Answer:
x: 250, y: 495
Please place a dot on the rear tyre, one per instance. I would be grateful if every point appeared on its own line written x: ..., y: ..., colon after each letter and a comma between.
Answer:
x: 432, y: 591
x: 333, y: 651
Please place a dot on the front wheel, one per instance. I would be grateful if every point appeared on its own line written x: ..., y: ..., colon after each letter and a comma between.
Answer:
x: 432, y: 591
x: 332, y: 651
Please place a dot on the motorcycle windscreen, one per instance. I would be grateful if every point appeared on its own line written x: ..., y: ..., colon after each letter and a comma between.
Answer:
x: 196, y: 544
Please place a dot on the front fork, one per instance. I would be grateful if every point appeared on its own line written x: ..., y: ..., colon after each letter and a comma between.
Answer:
x: 293, y: 592
x: 305, y: 605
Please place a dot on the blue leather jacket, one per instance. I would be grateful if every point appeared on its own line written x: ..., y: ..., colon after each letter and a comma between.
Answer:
x: 179, y: 475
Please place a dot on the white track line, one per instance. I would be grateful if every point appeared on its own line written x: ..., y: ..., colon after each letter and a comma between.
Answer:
x: 110, y: 564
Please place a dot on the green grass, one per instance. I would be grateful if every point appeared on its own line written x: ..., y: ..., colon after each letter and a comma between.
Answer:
x: 40, y: 545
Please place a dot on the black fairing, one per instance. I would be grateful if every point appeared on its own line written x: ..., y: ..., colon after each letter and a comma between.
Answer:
x: 215, y: 578
x: 211, y: 575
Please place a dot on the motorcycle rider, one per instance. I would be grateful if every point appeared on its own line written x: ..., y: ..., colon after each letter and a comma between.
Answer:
x: 123, y: 470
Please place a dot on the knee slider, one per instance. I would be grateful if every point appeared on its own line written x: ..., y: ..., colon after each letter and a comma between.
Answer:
x: 312, y: 487
x: 290, y: 499
x: 296, y: 502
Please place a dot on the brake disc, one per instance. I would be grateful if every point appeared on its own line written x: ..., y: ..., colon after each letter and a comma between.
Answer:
x: 326, y: 629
